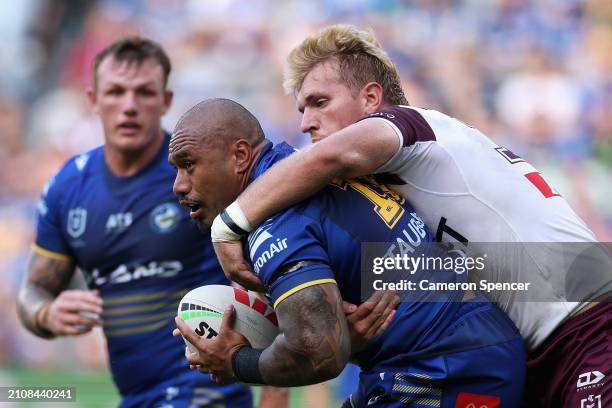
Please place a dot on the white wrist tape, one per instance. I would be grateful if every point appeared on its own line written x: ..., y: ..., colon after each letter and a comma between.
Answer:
x: 230, y: 225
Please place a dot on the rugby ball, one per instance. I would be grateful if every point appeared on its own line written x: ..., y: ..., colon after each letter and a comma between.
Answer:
x: 202, y: 309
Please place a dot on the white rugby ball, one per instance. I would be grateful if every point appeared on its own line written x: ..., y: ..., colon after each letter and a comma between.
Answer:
x: 202, y: 309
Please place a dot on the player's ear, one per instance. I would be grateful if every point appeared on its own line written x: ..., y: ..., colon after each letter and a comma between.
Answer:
x: 242, y: 154
x: 92, y: 98
x: 372, y: 94
x: 168, y: 96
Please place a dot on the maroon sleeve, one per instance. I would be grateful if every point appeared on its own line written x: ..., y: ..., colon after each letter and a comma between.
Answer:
x: 411, y: 124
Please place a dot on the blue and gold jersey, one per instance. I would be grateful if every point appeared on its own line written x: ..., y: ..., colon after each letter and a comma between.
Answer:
x: 138, y: 247
x: 327, y: 232
x: 438, y: 351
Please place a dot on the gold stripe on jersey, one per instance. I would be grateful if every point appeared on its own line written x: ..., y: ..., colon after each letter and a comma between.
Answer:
x: 139, y: 319
x: 300, y: 287
x: 136, y: 330
x: 138, y: 308
x: 120, y: 300
x: 51, y: 254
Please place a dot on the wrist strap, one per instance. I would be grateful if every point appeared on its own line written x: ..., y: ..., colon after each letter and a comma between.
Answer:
x: 245, y: 363
x: 230, y: 225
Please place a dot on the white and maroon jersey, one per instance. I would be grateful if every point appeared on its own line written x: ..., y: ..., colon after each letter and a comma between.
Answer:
x: 474, y: 193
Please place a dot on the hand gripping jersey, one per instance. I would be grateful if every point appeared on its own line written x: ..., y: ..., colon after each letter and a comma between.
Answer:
x: 138, y: 247
x: 474, y: 193
x: 326, y: 232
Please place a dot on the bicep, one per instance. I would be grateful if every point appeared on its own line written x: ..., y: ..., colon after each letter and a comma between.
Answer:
x: 50, y: 273
x: 313, y: 322
x: 314, y: 343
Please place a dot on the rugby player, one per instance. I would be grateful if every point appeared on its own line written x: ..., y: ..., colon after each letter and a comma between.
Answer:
x: 111, y: 212
x: 468, y: 190
x: 432, y: 354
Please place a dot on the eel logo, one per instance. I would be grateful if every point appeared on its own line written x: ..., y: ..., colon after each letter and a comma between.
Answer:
x: 165, y: 218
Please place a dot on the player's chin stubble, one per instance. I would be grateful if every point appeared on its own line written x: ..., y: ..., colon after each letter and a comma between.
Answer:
x: 204, y: 228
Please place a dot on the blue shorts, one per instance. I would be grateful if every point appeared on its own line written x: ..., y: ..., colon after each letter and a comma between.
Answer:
x: 490, y: 374
x: 192, y: 390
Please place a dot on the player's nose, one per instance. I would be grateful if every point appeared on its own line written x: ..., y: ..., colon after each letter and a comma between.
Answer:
x: 309, y: 122
x: 130, y: 104
x: 181, y: 186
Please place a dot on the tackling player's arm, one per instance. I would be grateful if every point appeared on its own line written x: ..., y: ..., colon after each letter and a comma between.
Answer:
x: 356, y: 150
x: 44, y: 306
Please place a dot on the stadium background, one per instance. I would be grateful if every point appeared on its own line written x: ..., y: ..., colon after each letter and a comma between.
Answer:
x: 534, y: 75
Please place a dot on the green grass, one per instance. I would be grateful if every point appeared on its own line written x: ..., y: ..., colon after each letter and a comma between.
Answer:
x: 94, y: 389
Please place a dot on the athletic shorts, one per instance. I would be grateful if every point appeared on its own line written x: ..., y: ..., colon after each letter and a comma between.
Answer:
x: 490, y: 375
x: 573, y: 366
x: 191, y: 391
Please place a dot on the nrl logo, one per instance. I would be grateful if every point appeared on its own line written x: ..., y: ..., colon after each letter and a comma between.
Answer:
x: 77, y: 222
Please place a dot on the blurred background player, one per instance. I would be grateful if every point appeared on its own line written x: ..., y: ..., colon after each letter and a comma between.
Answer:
x: 111, y: 213
x: 435, y: 353
x: 470, y: 191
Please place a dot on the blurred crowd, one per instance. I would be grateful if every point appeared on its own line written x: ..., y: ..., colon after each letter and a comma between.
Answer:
x: 534, y: 75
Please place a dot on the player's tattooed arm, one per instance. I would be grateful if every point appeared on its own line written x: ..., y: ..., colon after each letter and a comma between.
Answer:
x: 314, y: 345
x: 46, y: 278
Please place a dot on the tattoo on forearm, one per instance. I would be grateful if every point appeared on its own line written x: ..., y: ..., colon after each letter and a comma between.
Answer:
x: 315, y: 343
x: 45, y: 279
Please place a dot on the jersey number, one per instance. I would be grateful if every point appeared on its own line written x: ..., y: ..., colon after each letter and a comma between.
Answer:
x: 387, y: 203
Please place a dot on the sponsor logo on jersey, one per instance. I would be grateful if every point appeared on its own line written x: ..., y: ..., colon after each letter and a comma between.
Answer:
x: 589, y: 379
x: 592, y: 401
x: 262, y: 236
x: 468, y: 400
x: 410, y: 238
x: 259, y: 237
x: 272, y: 249
x: 165, y: 218
x: 124, y: 273
x: 77, y: 222
x: 382, y: 115
x: 41, y: 206
x: 48, y: 185
x: 118, y: 222
x: 81, y: 161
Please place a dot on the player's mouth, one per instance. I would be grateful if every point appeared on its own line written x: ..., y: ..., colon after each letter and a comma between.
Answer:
x: 129, y: 128
x: 194, y: 207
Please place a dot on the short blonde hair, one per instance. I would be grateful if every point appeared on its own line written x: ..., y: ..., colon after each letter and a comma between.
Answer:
x: 360, y: 58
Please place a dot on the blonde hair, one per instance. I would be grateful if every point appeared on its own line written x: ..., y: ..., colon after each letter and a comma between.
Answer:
x: 360, y: 59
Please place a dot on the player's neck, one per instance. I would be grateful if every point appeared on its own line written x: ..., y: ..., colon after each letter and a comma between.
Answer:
x: 127, y: 163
